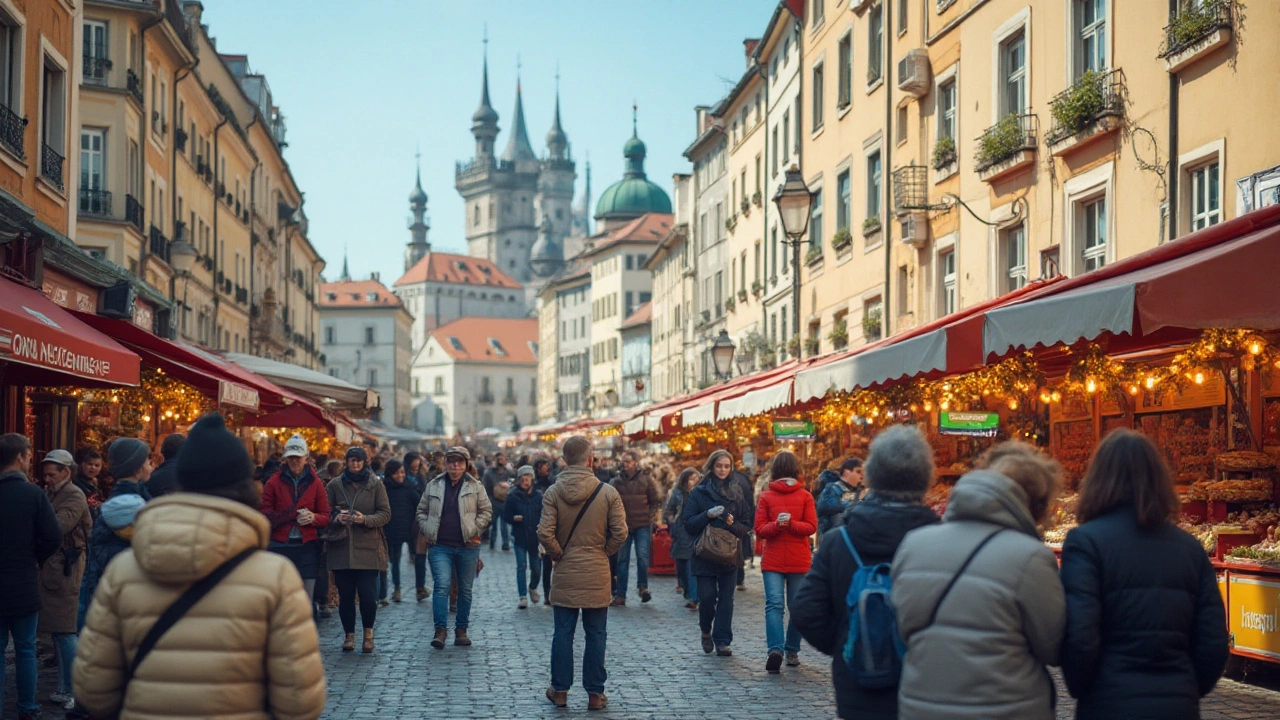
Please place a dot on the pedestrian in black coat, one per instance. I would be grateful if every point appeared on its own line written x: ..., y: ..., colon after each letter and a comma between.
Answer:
x: 29, y: 535
x: 717, y: 501
x: 899, y: 470
x: 163, y: 479
x: 1146, y: 628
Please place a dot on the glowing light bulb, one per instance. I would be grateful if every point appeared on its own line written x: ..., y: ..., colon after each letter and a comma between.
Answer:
x: 1013, y: 404
x: 146, y: 418
x: 1045, y: 397
x: 928, y: 406
x: 944, y: 405
x: 1091, y: 386
x: 1255, y: 348
x: 1057, y: 396
x: 1151, y: 382
x: 1133, y: 389
x: 1199, y: 379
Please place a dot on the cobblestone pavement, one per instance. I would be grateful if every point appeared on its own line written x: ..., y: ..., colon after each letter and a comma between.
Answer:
x: 656, y: 667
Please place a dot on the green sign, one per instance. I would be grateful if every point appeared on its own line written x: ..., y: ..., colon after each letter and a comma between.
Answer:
x: 973, y: 424
x: 792, y: 430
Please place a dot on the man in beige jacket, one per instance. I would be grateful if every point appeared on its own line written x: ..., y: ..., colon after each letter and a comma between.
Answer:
x: 583, y: 523
x: 248, y: 649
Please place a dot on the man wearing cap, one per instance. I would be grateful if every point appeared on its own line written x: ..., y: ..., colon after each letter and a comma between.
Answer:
x: 61, y: 574
x: 296, y: 503
x: 453, y: 514
x: 524, y: 512
x: 130, y: 461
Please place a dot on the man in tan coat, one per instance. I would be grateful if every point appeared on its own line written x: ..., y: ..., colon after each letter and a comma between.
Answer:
x: 61, y: 574
x: 247, y: 649
x: 583, y: 523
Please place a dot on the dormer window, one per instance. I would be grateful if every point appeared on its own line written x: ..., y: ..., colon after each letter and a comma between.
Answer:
x: 497, y: 347
x: 371, y: 297
x: 456, y: 343
x: 333, y: 297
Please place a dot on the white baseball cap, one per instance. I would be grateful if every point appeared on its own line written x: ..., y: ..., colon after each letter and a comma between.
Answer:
x: 60, y: 457
x: 296, y: 447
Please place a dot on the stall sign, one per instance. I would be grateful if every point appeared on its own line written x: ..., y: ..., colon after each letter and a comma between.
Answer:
x: 1255, y: 615
x: 971, y: 424
x: 70, y: 294
x: 143, y: 316
x: 230, y: 393
x: 792, y: 430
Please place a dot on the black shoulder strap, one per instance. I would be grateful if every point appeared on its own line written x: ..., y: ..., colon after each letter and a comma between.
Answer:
x: 933, y: 616
x: 582, y: 512
x: 180, y: 607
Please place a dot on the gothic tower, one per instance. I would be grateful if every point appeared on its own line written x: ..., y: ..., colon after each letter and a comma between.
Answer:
x: 418, y: 227
x: 555, y: 191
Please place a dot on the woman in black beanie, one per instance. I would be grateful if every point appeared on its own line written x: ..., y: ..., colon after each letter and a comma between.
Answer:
x: 359, y: 504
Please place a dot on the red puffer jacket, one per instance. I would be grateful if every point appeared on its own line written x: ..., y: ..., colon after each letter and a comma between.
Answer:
x: 277, y: 504
x: 786, y: 548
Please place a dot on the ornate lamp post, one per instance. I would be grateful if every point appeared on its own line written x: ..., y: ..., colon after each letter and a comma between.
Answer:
x: 795, y: 204
x: 722, y: 355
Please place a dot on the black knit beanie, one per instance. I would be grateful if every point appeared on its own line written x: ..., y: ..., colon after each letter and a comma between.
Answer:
x: 212, y: 457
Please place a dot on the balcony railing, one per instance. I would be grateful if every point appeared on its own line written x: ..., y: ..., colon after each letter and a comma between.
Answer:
x: 95, y: 69
x: 95, y: 202
x: 1007, y: 138
x: 1193, y: 23
x: 134, y: 84
x: 13, y: 131
x: 510, y: 399
x: 242, y: 295
x: 51, y: 165
x: 133, y: 211
x: 486, y: 398
x: 159, y: 244
x: 1094, y: 96
x: 180, y: 140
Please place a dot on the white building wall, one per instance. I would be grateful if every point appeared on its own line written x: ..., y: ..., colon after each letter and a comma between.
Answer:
x: 786, y: 117
x: 574, y: 348
x: 433, y: 304
x: 451, y: 393
x: 350, y: 356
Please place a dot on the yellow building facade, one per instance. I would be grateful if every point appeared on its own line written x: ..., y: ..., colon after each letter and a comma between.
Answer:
x: 741, y: 116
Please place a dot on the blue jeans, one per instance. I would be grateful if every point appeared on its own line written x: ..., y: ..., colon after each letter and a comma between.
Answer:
x: 499, y: 524
x: 777, y: 587
x: 642, y: 539
x: 687, y: 581
x: 528, y: 569
x: 447, y: 563
x: 23, y: 630
x: 64, y: 646
x: 594, y: 626
x: 715, y: 605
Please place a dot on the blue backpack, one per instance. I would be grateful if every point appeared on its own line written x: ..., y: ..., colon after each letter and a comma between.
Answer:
x: 872, y: 650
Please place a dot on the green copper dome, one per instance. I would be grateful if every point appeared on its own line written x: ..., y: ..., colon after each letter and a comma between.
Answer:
x: 633, y: 195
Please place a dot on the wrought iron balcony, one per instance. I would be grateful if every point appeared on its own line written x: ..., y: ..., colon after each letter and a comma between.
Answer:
x: 95, y: 69
x: 134, y: 84
x: 95, y: 202
x: 51, y: 165
x: 510, y: 399
x: 159, y: 245
x: 910, y: 188
x: 133, y: 211
x: 1005, y: 139
x: 485, y: 398
x: 1092, y: 97
x: 13, y: 131
x: 1195, y: 22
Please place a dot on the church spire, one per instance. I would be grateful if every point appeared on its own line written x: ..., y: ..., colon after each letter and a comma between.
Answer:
x: 419, y: 225
x: 346, y: 271
x: 484, y: 121
x: 518, y: 146
x: 557, y: 140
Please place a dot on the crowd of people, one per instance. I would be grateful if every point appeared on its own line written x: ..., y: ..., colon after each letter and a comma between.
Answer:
x: 958, y: 616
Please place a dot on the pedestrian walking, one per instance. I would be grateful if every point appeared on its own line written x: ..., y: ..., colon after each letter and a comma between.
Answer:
x: 583, y: 523
x: 130, y: 460
x: 296, y: 503
x: 403, y: 496
x: 839, y: 492
x: 785, y: 520
x: 357, y: 547
x: 497, y: 480
x: 542, y: 475
x: 899, y: 470
x: 112, y: 534
x: 29, y: 535
x: 748, y: 519
x: 61, y: 574
x: 245, y: 647
x: 681, y: 540
x: 716, y: 504
x: 162, y: 480
x: 1146, y: 630
x: 524, y: 512
x: 643, y: 501
x: 88, y: 468
x: 453, y: 515
x: 979, y: 605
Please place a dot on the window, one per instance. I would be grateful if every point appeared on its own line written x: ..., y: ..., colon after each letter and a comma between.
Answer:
x: 875, y: 43
x: 903, y: 291
x: 630, y: 263
x: 775, y: 151
x: 1093, y: 234
x: 373, y: 376
x: 902, y: 16
x: 10, y: 62
x: 1015, y: 258
x: 873, y: 184
x: 368, y: 336
x: 1206, y: 201
x: 901, y: 130
x: 92, y: 200
x: 844, y: 77
x: 773, y: 244
x: 818, y: 12
x: 786, y: 137
x: 439, y: 385
x: 631, y: 306
x: 817, y: 97
x: 1013, y: 73
x: 330, y: 335
x: 947, y: 110
x: 815, y: 220
x: 96, y: 63
x: 53, y: 113
x: 719, y: 293
x: 1091, y: 35
x: 873, y: 319
x: 947, y: 278
x: 844, y: 207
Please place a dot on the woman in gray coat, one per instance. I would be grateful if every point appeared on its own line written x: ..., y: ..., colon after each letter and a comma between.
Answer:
x: 978, y: 599
x: 681, y: 541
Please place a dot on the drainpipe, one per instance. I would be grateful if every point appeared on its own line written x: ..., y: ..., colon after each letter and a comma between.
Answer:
x: 764, y: 206
x: 886, y: 28
x: 173, y: 175
x: 142, y: 137
x: 1174, y: 87
x: 253, y: 243
x: 217, y: 245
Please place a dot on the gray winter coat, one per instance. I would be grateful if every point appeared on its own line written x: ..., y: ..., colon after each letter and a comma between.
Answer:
x: 986, y: 654
x: 681, y: 541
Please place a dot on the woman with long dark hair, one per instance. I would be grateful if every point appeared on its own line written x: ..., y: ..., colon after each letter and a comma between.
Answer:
x: 681, y: 540
x: 1146, y: 628
x: 717, y: 501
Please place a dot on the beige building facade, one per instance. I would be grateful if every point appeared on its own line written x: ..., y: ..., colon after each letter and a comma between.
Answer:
x: 671, y: 347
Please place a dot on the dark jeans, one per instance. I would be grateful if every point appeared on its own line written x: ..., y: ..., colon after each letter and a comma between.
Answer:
x: 687, y: 581
x: 321, y: 595
x: 351, y: 582
x: 394, y: 551
x: 546, y: 577
x: 715, y: 605
x: 497, y: 523
x: 594, y: 626
x: 527, y: 561
x: 642, y: 540
x: 22, y: 628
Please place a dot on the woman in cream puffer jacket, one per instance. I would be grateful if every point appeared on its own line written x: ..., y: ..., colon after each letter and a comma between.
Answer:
x: 247, y: 650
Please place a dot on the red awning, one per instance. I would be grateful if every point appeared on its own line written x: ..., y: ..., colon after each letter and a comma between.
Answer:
x: 56, y: 348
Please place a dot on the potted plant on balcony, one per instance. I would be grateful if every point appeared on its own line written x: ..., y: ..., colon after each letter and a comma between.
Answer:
x: 1194, y: 22
x: 1080, y: 105
x: 756, y: 198
x: 839, y: 335
x: 944, y: 152
x: 1000, y: 142
x: 729, y: 304
x: 757, y: 288
x: 814, y: 255
x: 871, y: 226
x: 793, y: 346
x: 871, y: 324
x: 745, y: 206
x: 742, y: 296
x: 731, y: 222
x: 841, y: 240
x: 811, y: 346
x: 766, y: 358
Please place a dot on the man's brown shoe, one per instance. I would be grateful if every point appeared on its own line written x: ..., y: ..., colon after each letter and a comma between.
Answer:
x: 368, y: 641
x: 460, y: 638
x: 618, y: 602
x: 423, y: 594
x: 437, y: 642
x: 558, y: 698
x: 597, y: 701
x: 349, y: 642
x: 395, y: 596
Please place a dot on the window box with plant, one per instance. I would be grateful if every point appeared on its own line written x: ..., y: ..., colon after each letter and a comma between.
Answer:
x: 871, y: 324
x: 742, y: 296
x: 1198, y: 29
x: 793, y: 346
x: 871, y: 226
x: 745, y: 206
x: 812, y: 346
x: 1006, y: 147
x: 813, y: 256
x: 766, y: 358
x: 944, y: 153
x: 1086, y: 111
x: 729, y: 304
x: 731, y: 222
x: 756, y: 198
x: 757, y: 288
x: 839, y: 335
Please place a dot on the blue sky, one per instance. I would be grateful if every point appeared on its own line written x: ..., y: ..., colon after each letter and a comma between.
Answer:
x: 364, y: 83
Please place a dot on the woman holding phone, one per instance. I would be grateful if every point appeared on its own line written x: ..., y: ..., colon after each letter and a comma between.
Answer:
x: 357, y: 551
x: 785, y: 518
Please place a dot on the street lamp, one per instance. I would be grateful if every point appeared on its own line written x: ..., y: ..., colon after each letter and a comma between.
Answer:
x: 722, y: 355
x: 183, y: 256
x: 795, y: 204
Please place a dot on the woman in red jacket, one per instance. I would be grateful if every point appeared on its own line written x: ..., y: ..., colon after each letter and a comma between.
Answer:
x: 296, y: 503
x: 785, y: 518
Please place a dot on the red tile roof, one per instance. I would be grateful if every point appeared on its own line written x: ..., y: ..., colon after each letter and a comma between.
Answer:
x: 642, y: 316
x: 649, y: 228
x: 490, y: 340
x: 462, y: 269
x: 356, y: 294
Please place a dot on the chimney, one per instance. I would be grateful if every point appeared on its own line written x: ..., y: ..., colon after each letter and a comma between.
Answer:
x: 749, y: 46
